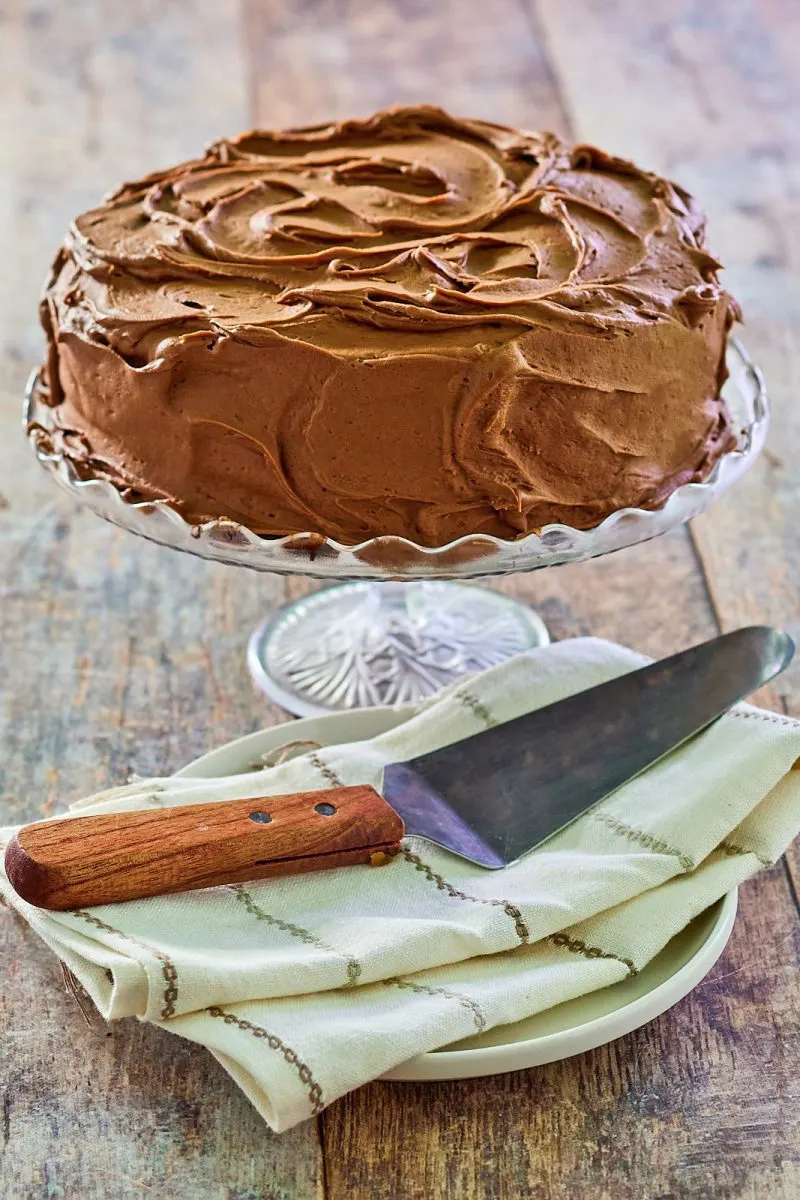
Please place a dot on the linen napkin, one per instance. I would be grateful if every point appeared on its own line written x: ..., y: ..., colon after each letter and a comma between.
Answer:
x: 306, y: 987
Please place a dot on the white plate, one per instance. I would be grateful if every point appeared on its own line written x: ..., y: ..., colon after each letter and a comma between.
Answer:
x: 559, y: 1032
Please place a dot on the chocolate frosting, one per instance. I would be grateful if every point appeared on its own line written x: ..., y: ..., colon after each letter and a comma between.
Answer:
x: 411, y: 324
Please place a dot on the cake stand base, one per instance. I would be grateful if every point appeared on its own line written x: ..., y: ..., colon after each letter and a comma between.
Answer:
x: 363, y: 644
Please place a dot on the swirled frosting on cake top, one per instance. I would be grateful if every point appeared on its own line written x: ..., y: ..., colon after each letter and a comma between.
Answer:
x: 411, y: 324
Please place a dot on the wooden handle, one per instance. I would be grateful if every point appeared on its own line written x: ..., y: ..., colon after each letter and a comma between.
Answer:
x: 82, y: 861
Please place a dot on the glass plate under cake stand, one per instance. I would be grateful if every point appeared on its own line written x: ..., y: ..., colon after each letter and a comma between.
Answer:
x: 406, y: 623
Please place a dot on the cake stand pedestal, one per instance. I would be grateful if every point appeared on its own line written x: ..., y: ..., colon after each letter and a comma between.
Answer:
x: 362, y: 644
x: 407, y: 624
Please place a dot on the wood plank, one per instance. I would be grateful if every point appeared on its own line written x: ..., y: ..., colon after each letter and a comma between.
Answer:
x: 720, y: 84
x: 617, y: 597
x: 126, y: 1110
x: 584, y: 1128
x: 717, y: 94
x: 691, y: 1105
x: 145, y: 650
x: 343, y: 58
x: 114, y: 655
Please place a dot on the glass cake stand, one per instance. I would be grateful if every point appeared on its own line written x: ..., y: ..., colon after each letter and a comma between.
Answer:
x: 406, y: 624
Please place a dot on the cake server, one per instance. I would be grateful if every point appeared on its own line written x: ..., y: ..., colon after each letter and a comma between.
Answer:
x: 490, y: 798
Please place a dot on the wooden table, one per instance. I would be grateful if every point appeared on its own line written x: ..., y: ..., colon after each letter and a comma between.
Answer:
x: 116, y: 655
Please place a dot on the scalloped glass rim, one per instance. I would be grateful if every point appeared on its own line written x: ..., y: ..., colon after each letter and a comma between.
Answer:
x: 472, y: 556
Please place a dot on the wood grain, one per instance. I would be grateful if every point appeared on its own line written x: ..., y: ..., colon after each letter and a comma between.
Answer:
x: 692, y: 1105
x: 124, y: 1110
x: 112, y: 857
x: 720, y: 87
x: 509, y: 1137
x: 327, y: 59
x: 116, y: 655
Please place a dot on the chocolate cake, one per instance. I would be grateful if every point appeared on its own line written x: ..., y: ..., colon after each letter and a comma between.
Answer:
x: 412, y: 324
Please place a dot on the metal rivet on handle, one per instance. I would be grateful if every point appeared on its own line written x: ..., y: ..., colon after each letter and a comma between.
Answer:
x: 325, y: 810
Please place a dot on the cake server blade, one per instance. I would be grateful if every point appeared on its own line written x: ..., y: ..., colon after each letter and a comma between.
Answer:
x: 502, y: 792
x: 489, y: 798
